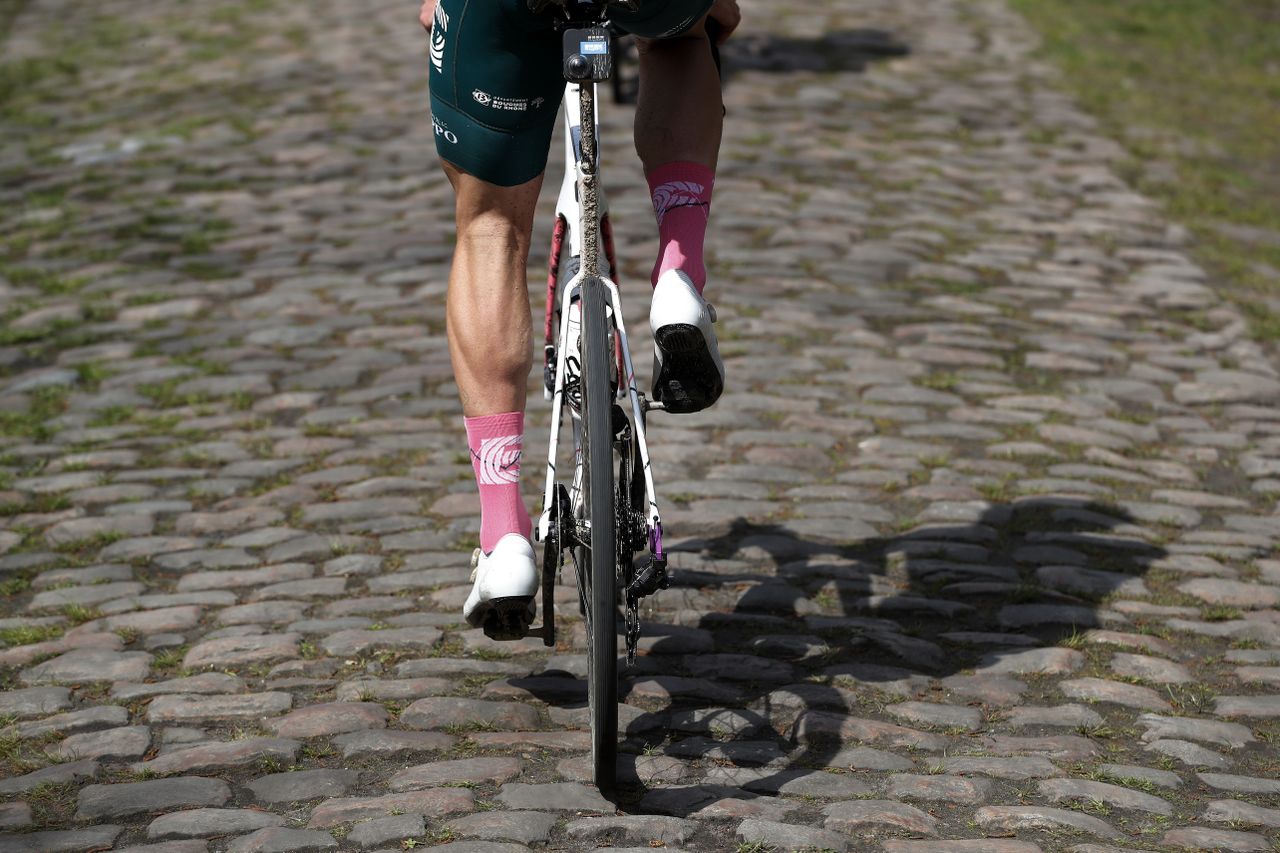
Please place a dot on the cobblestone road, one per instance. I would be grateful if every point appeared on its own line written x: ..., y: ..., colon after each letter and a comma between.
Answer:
x: 977, y: 555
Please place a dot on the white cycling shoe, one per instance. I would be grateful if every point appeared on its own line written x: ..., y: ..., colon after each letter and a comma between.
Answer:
x: 506, y: 580
x: 688, y: 375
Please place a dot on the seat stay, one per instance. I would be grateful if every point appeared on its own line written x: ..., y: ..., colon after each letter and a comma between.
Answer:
x: 570, y: 328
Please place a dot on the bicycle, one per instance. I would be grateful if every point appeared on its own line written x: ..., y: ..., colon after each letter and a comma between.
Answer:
x: 609, y: 511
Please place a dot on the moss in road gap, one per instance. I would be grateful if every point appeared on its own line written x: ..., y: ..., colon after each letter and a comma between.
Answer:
x: 1194, y: 84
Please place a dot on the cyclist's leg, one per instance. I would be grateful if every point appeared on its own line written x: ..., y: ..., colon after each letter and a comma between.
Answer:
x: 488, y: 292
x: 494, y: 84
x: 491, y: 348
x: 677, y: 132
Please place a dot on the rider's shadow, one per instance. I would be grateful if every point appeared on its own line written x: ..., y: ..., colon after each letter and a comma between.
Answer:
x: 874, y: 655
x: 870, y: 652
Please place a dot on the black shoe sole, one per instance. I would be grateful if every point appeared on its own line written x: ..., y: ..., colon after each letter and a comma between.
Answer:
x: 687, y: 379
x: 508, y: 618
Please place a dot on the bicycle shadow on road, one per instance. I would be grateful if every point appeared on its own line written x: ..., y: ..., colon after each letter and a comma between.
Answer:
x: 959, y: 617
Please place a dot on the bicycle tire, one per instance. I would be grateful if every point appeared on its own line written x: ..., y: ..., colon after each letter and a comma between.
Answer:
x: 597, y: 458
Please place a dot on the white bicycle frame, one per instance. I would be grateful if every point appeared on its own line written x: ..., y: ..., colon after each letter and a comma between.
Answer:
x: 570, y: 211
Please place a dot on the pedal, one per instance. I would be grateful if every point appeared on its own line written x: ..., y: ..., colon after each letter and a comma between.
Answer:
x: 545, y: 633
x: 651, y: 576
x: 508, y: 618
x: 647, y: 405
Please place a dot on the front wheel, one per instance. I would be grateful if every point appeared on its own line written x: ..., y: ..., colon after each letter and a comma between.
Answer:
x: 602, y: 596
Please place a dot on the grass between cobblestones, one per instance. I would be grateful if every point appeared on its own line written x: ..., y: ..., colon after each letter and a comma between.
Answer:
x: 1191, y: 89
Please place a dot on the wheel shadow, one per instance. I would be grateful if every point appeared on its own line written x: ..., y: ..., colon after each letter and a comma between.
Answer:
x: 814, y: 644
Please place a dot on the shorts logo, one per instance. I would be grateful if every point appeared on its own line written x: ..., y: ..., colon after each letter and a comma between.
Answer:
x: 497, y: 102
x: 537, y: 103
x: 673, y: 194
x: 499, y: 460
x: 439, y: 27
x: 443, y: 132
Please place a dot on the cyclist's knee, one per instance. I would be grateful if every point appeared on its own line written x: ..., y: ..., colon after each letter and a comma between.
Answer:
x: 503, y: 221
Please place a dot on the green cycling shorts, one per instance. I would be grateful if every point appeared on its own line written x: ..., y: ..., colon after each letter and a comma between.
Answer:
x: 496, y: 81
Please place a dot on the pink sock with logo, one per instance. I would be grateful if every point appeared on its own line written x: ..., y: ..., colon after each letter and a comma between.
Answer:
x: 496, y: 442
x: 681, y: 194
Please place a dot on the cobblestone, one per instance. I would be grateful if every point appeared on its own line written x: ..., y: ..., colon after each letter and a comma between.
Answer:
x: 1202, y: 838
x: 331, y: 718
x: 208, y: 757
x: 15, y: 815
x: 90, y: 719
x: 1057, y: 790
x: 189, y: 708
x: 433, y: 803
x: 199, y: 823
x: 466, y: 770
x: 1240, y: 784
x: 59, y: 774
x: 83, y: 665
x: 1233, y: 735
x: 130, y: 798
x: 1102, y: 690
x: 386, y: 830
x: 34, y: 701
x: 852, y: 816
x: 280, y: 840
x: 519, y: 826
x: 62, y: 841
x: 556, y: 796
x: 302, y: 785
x: 782, y: 836
x: 126, y: 742
x: 387, y: 744
x: 643, y: 830
x: 1014, y: 818
x: 1241, y: 813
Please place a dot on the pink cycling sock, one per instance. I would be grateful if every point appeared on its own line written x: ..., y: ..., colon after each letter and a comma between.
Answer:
x: 496, y: 442
x: 681, y: 194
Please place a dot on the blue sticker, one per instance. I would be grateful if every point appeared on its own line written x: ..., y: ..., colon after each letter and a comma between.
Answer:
x: 597, y: 48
